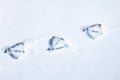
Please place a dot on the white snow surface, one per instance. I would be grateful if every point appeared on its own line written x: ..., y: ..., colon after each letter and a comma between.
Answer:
x: 36, y: 21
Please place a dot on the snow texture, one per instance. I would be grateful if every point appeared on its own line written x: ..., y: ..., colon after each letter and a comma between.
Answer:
x: 26, y: 26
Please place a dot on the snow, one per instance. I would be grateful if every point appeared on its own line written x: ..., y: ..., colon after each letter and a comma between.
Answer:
x: 36, y: 21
